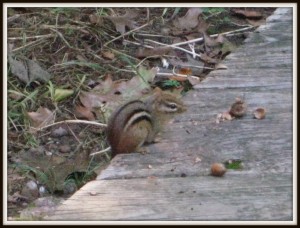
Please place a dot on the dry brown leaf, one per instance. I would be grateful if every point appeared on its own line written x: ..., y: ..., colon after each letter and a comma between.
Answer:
x: 28, y: 70
x: 108, y: 55
x: 247, y: 13
x: 96, y: 19
x: 84, y: 113
x: 207, y: 59
x: 190, y: 20
x: 122, y: 21
x: 220, y: 39
x: 211, y: 42
x: 81, y: 58
x: 93, y: 100
x: 256, y: 23
x: 107, y: 95
x: 41, y: 118
x: 142, y: 81
x: 178, y: 78
x: 202, y: 25
x: 185, y: 71
x: 105, y: 85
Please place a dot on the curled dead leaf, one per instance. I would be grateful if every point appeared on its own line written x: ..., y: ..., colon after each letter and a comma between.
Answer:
x: 178, y: 78
x: 185, y: 71
x: 190, y: 20
x: 41, y: 118
x: 96, y: 19
x: 121, y: 22
x: 28, y: 70
x: 256, y: 23
x: 220, y: 66
x: 247, y: 13
x: 84, y: 113
x: 108, y: 55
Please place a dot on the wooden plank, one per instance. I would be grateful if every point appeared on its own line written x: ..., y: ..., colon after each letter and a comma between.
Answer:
x: 235, y: 197
x: 152, y: 187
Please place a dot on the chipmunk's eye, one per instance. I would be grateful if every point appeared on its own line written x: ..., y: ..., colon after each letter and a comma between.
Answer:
x: 173, y: 106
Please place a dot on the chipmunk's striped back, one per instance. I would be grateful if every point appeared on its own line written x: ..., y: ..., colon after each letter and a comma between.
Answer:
x: 122, y: 121
x: 137, y: 122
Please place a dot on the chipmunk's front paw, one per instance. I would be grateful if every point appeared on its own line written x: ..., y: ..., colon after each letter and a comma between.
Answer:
x: 143, y: 150
x: 157, y: 139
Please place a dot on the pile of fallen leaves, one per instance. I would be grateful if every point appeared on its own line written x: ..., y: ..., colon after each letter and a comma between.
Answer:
x: 81, y: 63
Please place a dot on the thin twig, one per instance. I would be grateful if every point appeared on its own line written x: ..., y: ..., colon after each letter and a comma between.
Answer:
x: 196, y: 40
x: 120, y: 70
x: 61, y: 36
x: 126, y: 33
x: 101, y: 151
x: 73, y: 134
x: 36, y: 42
x: 121, y: 53
x: 214, y: 35
x: 138, y: 44
x: 13, y: 124
x: 179, y: 75
x: 73, y: 121
x: 30, y: 37
x: 152, y: 35
x: 173, y: 46
x: 12, y: 18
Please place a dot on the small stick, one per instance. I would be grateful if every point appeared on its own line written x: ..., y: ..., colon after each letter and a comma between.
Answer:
x: 126, y: 33
x: 36, y: 42
x: 30, y: 37
x: 72, y: 121
x: 214, y: 35
x: 73, y: 134
x: 173, y: 46
x: 101, y: 151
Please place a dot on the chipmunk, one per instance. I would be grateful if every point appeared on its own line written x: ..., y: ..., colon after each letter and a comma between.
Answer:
x: 137, y: 122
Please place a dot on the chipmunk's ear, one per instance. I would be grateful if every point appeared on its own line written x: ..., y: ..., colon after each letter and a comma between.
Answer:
x: 154, y: 96
x: 156, y: 93
x: 157, y: 90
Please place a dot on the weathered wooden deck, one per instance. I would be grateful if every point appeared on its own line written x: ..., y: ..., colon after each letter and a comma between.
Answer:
x: 171, y: 183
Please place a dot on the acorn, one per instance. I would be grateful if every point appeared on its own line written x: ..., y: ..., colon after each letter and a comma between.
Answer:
x: 238, y: 108
x: 259, y: 113
x: 218, y: 169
